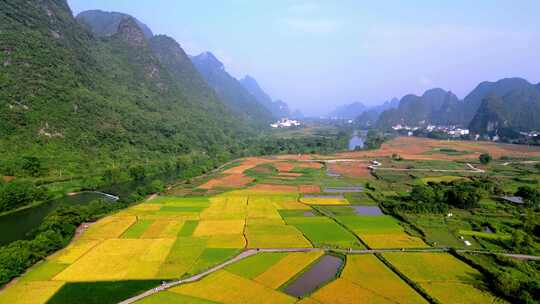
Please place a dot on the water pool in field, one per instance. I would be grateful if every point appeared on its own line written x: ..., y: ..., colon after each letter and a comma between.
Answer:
x: 322, y: 272
x: 367, y: 210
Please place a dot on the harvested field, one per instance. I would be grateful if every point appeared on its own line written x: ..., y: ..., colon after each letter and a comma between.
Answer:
x: 274, y: 188
x: 310, y: 165
x: 247, y: 164
x: 228, y: 288
x: 415, y: 148
x: 351, y: 169
x: 284, y: 166
x: 369, y: 273
x: 228, y: 181
x: 309, y: 189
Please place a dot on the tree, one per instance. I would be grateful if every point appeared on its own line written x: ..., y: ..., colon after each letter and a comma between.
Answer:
x: 32, y: 166
x: 464, y: 196
x: 530, y: 195
x: 137, y: 172
x: 485, y: 158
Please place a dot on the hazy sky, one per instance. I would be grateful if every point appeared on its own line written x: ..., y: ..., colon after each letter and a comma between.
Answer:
x: 319, y: 54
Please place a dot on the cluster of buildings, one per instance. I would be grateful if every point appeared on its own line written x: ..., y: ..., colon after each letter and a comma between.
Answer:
x: 451, y: 131
x: 286, y: 123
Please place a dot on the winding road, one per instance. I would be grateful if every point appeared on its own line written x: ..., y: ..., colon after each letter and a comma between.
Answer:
x: 251, y: 252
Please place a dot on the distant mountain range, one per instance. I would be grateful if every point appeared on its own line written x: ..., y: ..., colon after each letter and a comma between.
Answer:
x: 230, y: 90
x: 506, y: 106
x: 348, y: 111
x: 278, y: 108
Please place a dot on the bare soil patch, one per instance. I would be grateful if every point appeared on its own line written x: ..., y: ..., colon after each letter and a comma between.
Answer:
x: 274, y: 188
x: 309, y: 189
x: 350, y: 169
x: 228, y: 181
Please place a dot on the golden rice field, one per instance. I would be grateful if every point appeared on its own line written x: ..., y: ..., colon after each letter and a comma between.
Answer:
x: 172, y: 237
x: 443, y: 276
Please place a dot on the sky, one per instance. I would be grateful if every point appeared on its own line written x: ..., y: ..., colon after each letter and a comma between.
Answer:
x: 316, y: 55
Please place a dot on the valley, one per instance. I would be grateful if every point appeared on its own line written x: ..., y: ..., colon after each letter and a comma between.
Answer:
x: 221, y: 242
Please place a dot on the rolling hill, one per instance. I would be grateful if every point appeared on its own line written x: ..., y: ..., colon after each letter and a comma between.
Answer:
x: 278, y: 108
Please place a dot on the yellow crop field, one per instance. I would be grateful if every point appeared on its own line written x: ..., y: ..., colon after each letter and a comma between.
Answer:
x: 426, y: 267
x: 30, y: 292
x: 172, y: 229
x: 368, y: 272
x: 441, y: 274
x: 118, y: 259
x: 324, y: 201
x: 209, y: 228
x: 74, y: 251
x: 109, y: 227
x: 226, y: 241
x: 291, y: 205
x: 342, y: 291
x: 182, y: 257
x: 262, y: 207
x: 393, y: 240
x: 274, y: 234
x: 156, y: 230
x: 286, y: 268
x: 226, y: 208
x: 468, y: 294
x: 225, y: 287
x: 307, y: 301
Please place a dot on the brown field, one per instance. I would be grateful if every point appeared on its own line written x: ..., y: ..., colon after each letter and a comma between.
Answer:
x: 350, y: 169
x: 247, y: 163
x: 273, y: 188
x: 309, y: 189
x: 229, y: 181
x: 310, y: 165
x: 284, y: 166
x: 419, y: 148
x: 8, y: 178
x: 290, y: 174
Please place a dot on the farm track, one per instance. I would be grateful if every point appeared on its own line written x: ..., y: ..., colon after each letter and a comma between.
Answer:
x: 252, y: 252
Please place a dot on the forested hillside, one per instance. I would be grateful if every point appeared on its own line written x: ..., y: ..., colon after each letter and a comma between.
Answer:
x: 80, y: 103
x: 106, y: 23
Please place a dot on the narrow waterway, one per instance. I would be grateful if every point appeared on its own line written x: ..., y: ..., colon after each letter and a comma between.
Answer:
x: 18, y: 225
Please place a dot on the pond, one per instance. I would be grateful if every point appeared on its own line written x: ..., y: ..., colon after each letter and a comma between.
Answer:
x: 320, y: 273
x: 344, y: 189
x: 18, y: 225
x: 357, y: 140
x: 367, y: 210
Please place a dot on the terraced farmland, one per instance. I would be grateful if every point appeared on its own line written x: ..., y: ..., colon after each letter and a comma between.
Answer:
x: 285, y: 226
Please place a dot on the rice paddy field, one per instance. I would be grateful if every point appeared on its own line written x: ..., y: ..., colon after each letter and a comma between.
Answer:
x: 277, y: 209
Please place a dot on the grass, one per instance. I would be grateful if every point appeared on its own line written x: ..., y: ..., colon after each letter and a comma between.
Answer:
x: 167, y: 297
x: 213, y: 256
x: 188, y: 228
x: 368, y: 272
x: 44, y: 271
x: 228, y: 288
x: 182, y: 257
x: 137, y: 229
x: 485, y: 235
x: 274, y: 234
x: 364, y: 224
x: 255, y: 265
x: 100, y: 292
x: 286, y: 268
x: 324, y: 232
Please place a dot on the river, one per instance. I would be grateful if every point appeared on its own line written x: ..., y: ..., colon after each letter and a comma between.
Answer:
x: 357, y: 140
x: 18, y: 225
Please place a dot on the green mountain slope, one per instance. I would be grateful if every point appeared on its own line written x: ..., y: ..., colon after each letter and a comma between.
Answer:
x: 434, y: 106
x: 230, y: 91
x: 106, y: 23
x: 82, y: 103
